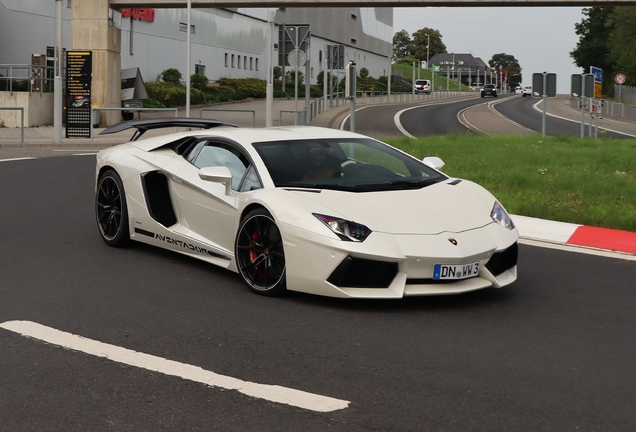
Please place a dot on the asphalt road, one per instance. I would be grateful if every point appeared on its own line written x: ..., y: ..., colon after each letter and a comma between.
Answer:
x: 433, y: 117
x: 520, y: 110
x: 553, y: 352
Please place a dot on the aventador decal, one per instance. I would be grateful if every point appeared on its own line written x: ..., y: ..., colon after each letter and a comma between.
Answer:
x: 176, y: 242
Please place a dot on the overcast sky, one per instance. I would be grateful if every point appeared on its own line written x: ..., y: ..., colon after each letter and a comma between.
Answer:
x: 540, y: 38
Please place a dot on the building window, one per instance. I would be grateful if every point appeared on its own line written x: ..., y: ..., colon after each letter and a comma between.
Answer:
x: 256, y: 64
x: 353, y: 41
x: 184, y: 26
x: 225, y: 59
x: 68, y: 4
x: 312, y: 72
x: 251, y: 63
x: 244, y: 62
x: 199, y: 69
x: 239, y: 61
x: 354, y: 16
x: 232, y: 60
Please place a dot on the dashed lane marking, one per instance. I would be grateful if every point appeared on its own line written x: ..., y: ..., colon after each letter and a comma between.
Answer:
x: 15, y: 159
x: 273, y: 393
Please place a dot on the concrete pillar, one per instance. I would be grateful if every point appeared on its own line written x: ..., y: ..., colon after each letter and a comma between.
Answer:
x: 90, y: 31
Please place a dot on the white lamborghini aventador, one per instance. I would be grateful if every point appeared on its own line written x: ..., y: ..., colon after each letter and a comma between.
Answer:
x: 308, y: 209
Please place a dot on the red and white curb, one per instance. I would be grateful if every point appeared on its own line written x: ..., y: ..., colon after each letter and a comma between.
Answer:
x: 575, y: 235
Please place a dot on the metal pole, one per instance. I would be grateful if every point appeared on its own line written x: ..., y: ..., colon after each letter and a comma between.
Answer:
x: 352, y: 119
x: 388, y: 82
x: 307, y: 79
x: 188, y: 62
x: 582, y: 106
x: 428, y: 42
x: 269, y: 94
x: 545, y: 99
x: 413, y: 87
x: 57, y: 82
x: 296, y: 71
x: 325, y: 78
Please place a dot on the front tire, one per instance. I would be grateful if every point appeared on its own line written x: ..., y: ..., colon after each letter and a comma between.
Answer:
x: 260, y: 257
x: 111, y: 211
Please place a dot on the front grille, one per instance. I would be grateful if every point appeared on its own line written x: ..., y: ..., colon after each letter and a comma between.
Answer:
x: 504, y: 260
x: 363, y: 273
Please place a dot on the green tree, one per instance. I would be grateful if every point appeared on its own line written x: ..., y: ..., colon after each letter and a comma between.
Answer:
x: 594, y: 42
x: 507, y: 64
x: 401, y: 44
x: 622, y: 44
x: 422, y: 37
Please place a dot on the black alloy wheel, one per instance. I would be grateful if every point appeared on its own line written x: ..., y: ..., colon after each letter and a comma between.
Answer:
x: 259, y: 254
x: 111, y: 211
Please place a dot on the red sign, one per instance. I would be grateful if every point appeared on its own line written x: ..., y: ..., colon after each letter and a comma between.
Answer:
x: 620, y: 78
x: 141, y: 14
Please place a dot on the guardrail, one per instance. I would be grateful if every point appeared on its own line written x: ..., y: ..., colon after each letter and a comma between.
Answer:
x: 21, y: 109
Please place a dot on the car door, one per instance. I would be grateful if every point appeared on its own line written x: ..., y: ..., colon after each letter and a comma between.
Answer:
x: 206, y: 213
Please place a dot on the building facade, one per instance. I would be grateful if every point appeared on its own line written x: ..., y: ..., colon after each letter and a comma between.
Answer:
x: 227, y: 42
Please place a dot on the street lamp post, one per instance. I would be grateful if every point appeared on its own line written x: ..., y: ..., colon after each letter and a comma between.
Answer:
x: 428, y: 42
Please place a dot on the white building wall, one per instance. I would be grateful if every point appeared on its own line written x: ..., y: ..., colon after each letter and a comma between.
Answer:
x: 156, y: 46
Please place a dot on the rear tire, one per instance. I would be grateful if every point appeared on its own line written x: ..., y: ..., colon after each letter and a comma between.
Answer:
x: 260, y: 256
x: 111, y: 211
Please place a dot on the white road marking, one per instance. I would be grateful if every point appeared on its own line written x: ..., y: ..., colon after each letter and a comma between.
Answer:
x: 14, y: 159
x: 273, y: 393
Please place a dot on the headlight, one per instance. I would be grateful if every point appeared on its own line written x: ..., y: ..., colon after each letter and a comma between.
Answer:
x: 500, y: 215
x: 346, y: 230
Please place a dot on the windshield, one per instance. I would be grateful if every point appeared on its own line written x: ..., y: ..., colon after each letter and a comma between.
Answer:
x: 357, y: 165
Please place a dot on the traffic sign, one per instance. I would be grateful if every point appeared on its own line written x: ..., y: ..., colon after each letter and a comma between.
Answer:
x: 297, y: 58
x: 598, y: 81
x: 537, y: 85
x: 582, y: 85
x: 620, y: 79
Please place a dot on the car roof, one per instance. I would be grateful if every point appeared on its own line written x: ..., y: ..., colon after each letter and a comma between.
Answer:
x: 247, y: 136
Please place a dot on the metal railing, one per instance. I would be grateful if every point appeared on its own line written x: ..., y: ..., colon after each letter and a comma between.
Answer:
x: 16, y: 73
x: 230, y: 110
x: 21, y: 109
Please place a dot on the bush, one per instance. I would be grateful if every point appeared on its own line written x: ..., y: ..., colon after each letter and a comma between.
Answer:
x: 170, y: 95
x: 199, y: 81
x: 171, y: 76
x: 248, y: 87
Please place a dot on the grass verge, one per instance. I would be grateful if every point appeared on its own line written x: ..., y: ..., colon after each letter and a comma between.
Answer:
x: 590, y: 181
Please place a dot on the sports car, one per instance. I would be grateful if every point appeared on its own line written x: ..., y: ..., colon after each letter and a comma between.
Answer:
x: 303, y: 208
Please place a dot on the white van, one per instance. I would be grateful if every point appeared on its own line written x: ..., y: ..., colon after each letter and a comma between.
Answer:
x: 423, y: 86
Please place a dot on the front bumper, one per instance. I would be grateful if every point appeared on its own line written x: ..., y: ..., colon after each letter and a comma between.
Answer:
x: 394, y: 266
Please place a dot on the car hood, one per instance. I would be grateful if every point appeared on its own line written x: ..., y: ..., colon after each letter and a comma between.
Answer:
x: 442, y: 207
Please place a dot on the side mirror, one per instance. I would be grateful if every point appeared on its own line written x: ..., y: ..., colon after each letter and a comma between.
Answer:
x: 433, y: 162
x: 217, y: 174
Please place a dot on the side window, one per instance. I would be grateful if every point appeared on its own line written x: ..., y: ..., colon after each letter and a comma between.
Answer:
x: 251, y: 181
x: 218, y: 154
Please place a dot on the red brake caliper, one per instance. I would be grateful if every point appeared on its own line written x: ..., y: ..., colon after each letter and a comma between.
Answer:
x: 254, y: 254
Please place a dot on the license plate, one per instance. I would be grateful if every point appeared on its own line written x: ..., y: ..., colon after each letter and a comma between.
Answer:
x: 455, y: 271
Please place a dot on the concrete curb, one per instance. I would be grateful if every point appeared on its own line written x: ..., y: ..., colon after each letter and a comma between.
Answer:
x: 575, y: 235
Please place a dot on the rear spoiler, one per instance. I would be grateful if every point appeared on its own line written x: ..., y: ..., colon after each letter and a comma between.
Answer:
x: 144, y: 125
